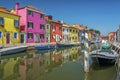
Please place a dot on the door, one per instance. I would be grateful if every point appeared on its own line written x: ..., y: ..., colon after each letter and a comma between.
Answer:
x: 36, y: 38
x: 7, y: 38
x: 22, y: 38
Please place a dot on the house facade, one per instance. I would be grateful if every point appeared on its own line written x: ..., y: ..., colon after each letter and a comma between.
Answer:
x: 73, y: 33
x: 65, y: 33
x: 47, y: 28
x: 9, y: 27
x: 55, y: 31
x: 32, y: 24
x: 81, y: 32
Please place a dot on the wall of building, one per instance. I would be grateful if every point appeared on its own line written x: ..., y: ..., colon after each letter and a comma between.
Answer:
x: 9, y: 28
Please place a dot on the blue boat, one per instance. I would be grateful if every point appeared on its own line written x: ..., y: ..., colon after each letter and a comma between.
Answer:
x: 45, y: 47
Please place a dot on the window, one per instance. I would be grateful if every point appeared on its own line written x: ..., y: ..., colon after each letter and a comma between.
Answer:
x: 67, y: 30
x: 0, y: 34
x: 70, y: 30
x: 15, y: 35
x: 73, y: 38
x: 41, y: 36
x: 30, y: 25
x: 16, y: 23
x: 47, y: 26
x: 60, y: 28
x: 30, y: 12
x: 42, y: 26
x: 30, y: 35
x: 41, y: 15
x: 76, y: 31
x: 1, y: 20
x: 53, y: 27
x: 63, y: 29
x: 73, y: 30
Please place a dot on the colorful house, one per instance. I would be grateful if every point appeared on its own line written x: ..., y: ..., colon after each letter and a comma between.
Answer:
x: 9, y: 27
x: 81, y: 32
x: 111, y: 36
x: 32, y: 24
x: 65, y: 33
x: 73, y: 33
x: 55, y: 31
x: 48, y: 28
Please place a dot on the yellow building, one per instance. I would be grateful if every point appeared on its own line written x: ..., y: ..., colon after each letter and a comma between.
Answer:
x: 9, y: 27
x: 73, y: 33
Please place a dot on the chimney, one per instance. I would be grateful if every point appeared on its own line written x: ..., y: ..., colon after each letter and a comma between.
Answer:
x: 17, y: 7
x: 48, y: 17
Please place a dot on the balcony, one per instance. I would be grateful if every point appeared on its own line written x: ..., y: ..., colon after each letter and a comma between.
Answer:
x: 22, y: 28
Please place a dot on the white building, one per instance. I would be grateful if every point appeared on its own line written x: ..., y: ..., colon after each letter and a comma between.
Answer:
x: 65, y: 33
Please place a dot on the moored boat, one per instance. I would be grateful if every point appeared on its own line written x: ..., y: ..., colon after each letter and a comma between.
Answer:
x: 45, y: 47
x: 64, y: 45
x: 104, y: 57
x: 13, y: 50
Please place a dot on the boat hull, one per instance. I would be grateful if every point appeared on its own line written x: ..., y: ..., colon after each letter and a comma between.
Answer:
x: 104, y: 61
x: 45, y: 47
x: 13, y: 50
x: 64, y: 45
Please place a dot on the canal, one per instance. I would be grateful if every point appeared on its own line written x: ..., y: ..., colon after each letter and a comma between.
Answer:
x: 59, y: 64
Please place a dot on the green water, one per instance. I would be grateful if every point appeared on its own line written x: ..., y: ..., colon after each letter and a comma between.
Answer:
x: 60, y: 64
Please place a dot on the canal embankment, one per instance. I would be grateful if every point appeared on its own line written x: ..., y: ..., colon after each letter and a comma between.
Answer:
x: 15, y: 48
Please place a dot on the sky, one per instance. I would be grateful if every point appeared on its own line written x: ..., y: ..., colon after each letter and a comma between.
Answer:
x: 103, y: 15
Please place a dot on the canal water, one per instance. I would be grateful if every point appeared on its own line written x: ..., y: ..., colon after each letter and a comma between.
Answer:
x: 59, y: 64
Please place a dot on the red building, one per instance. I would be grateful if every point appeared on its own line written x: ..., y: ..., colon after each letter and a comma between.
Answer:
x: 55, y: 30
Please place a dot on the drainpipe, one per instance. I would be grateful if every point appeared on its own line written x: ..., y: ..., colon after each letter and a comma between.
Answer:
x: 17, y: 7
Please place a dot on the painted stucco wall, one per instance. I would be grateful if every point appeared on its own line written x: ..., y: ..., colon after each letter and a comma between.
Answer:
x: 55, y: 33
x: 36, y: 24
x: 47, y: 31
x: 9, y: 28
x: 65, y: 34
x: 73, y: 35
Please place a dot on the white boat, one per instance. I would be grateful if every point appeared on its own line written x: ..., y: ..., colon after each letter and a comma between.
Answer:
x: 12, y: 50
x: 104, y: 57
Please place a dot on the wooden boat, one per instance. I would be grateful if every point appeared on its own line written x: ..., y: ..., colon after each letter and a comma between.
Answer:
x: 12, y: 50
x: 45, y: 47
x: 104, y: 57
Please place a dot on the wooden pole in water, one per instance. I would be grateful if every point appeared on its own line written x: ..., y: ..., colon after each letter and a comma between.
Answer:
x: 86, y: 56
x: 86, y: 61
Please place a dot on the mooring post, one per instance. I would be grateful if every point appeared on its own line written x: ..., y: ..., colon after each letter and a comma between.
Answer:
x: 86, y: 57
x: 86, y: 61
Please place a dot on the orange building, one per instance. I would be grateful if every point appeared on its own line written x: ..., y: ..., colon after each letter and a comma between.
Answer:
x: 55, y: 30
x: 111, y: 36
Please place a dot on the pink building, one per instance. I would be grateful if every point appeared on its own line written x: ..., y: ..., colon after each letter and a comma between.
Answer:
x: 32, y: 24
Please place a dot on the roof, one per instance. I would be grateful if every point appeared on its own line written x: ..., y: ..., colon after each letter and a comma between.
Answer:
x: 65, y: 25
x: 55, y: 21
x: 80, y: 27
x: 34, y: 8
x: 3, y: 10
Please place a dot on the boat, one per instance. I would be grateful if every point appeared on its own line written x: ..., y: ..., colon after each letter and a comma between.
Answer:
x: 105, y: 46
x: 104, y: 57
x: 12, y: 50
x: 64, y: 44
x: 45, y: 47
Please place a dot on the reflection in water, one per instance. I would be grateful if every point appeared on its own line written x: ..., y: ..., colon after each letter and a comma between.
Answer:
x: 100, y: 72
x: 59, y: 64
x: 43, y: 65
